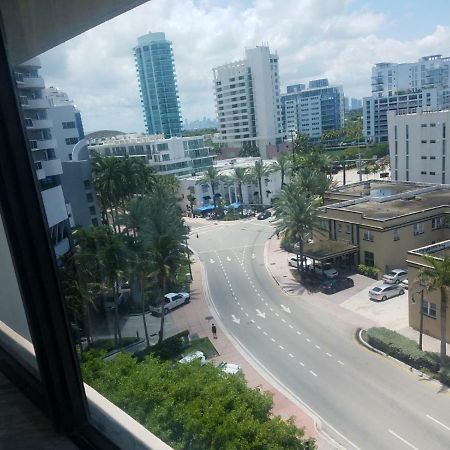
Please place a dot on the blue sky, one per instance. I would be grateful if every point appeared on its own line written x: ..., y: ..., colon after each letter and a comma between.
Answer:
x: 335, y: 39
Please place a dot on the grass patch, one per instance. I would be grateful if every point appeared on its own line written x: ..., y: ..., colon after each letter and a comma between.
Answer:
x: 406, y: 350
x: 204, y: 345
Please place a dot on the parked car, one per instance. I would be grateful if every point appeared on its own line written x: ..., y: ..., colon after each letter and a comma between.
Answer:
x: 171, y: 301
x: 263, y: 215
x: 194, y: 356
x: 229, y: 368
x: 292, y: 261
x: 395, y: 276
x: 336, y: 284
x: 384, y: 174
x: 385, y: 291
x: 325, y: 269
x: 404, y: 284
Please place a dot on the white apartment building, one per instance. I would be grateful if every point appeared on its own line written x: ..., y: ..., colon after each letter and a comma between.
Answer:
x: 174, y: 156
x: 39, y: 129
x: 247, y: 95
x: 418, y: 146
x: 228, y: 191
x: 405, y: 87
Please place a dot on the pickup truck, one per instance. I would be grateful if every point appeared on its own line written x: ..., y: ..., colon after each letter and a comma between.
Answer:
x: 171, y: 301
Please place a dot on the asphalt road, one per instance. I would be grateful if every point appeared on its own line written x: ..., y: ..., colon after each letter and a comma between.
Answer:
x: 364, y: 401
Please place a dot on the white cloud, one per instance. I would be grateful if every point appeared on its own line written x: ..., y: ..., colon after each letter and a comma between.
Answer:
x: 314, y: 39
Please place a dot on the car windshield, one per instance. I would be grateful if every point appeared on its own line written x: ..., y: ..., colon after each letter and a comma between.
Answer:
x: 376, y: 289
x: 392, y: 274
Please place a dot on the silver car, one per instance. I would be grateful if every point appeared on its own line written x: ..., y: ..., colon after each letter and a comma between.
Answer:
x: 385, y: 291
x: 395, y: 276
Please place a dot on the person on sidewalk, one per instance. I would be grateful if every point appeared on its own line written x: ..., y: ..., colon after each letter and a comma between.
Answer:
x: 214, y: 331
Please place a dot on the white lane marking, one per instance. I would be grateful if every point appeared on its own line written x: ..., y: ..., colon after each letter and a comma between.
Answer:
x: 272, y: 339
x: 303, y: 365
x: 439, y: 423
x: 260, y: 314
x: 317, y: 346
x: 235, y: 319
x: 299, y: 333
x: 403, y: 440
x: 313, y: 373
x: 257, y: 326
x: 253, y: 256
x: 283, y: 320
x: 259, y: 295
x: 228, y: 258
x: 282, y: 348
x: 308, y: 340
x: 246, y: 314
x: 252, y: 321
x: 291, y: 355
x: 265, y: 333
x: 242, y: 309
x: 329, y: 354
x: 211, y: 261
x: 256, y: 290
x: 341, y: 363
x: 286, y: 309
x: 277, y: 314
x: 238, y: 303
x: 291, y: 326
x: 271, y: 309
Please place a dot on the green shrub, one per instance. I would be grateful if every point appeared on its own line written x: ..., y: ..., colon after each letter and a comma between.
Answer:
x: 402, y: 348
x: 109, y: 344
x: 168, y: 349
x: 368, y: 271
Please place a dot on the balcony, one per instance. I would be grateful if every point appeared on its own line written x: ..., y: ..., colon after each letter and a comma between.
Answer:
x: 33, y: 103
x: 52, y: 167
x: 38, y: 124
x: 44, y: 144
x: 31, y: 83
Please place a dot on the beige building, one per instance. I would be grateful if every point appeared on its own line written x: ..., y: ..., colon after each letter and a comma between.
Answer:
x: 377, y: 223
x: 432, y: 299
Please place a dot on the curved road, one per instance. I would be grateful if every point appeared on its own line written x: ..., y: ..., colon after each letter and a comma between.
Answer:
x: 363, y: 400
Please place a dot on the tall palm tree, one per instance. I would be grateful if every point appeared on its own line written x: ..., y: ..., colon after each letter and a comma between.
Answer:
x: 296, y: 215
x: 212, y: 177
x: 437, y: 276
x: 313, y: 182
x: 164, y: 235
x: 258, y: 172
x: 284, y: 164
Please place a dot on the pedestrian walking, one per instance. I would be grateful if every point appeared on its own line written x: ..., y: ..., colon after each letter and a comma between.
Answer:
x: 197, y: 235
x: 214, y: 331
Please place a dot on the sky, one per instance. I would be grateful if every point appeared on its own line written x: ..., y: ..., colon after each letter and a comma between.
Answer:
x: 336, y: 39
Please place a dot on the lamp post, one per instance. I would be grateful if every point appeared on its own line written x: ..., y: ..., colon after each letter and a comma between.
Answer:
x: 421, y: 320
x: 292, y: 140
x: 189, y: 259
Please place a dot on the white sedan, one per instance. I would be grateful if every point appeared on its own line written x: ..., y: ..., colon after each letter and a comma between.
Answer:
x: 395, y: 276
x: 229, y: 368
x: 385, y: 291
x: 194, y: 356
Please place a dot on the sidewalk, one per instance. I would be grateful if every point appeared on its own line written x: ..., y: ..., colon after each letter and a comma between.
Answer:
x: 197, y: 317
x: 392, y: 314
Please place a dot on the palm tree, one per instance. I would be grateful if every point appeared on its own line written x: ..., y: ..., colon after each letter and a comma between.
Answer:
x: 296, y: 215
x: 437, y: 276
x: 284, y: 164
x: 164, y: 235
x: 258, y: 172
x: 313, y: 182
x: 192, y: 201
x: 212, y: 177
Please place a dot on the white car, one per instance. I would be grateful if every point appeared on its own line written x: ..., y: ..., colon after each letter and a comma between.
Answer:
x: 385, y: 291
x: 326, y: 269
x: 229, y: 368
x: 404, y: 284
x: 194, y: 356
x: 171, y: 301
x: 395, y: 276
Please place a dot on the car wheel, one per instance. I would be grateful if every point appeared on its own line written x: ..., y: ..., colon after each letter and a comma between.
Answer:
x: 166, y: 311
x: 397, y: 281
x: 187, y: 300
x: 401, y: 292
x: 384, y: 298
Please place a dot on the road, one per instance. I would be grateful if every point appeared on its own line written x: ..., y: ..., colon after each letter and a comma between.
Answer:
x: 364, y: 401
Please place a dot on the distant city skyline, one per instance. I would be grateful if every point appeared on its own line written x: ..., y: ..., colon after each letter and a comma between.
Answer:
x: 341, y: 41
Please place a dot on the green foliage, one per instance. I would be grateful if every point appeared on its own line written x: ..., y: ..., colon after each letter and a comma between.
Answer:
x: 192, y: 407
x: 168, y: 349
x: 402, y: 348
x: 108, y: 344
x: 369, y: 271
x: 249, y: 149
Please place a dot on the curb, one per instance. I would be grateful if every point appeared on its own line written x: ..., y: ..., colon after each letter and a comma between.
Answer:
x: 360, y: 339
x: 266, y: 265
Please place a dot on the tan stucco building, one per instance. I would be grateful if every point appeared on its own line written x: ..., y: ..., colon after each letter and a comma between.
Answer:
x: 376, y: 223
x: 432, y: 299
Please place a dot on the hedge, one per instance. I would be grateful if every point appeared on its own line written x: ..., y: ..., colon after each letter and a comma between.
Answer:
x: 168, y: 349
x: 402, y: 348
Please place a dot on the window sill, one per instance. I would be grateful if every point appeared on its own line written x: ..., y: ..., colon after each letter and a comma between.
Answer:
x: 430, y: 317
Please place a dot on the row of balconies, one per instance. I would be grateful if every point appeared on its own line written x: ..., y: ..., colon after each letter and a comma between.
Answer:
x: 49, y: 168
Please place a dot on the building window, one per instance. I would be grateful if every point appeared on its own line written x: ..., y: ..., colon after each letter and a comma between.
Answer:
x: 368, y: 236
x: 89, y: 197
x: 71, y: 141
x: 423, y: 125
x: 95, y: 222
x: 436, y: 223
x: 67, y: 125
x: 348, y: 228
x: 418, y: 228
x: 70, y: 156
x: 432, y: 141
x: 423, y: 157
x: 423, y: 141
x: 396, y: 235
x: 92, y: 210
x: 429, y: 309
x: 432, y: 173
x: 432, y: 124
x: 423, y: 172
x: 369, y: 259
x: 87, y: 184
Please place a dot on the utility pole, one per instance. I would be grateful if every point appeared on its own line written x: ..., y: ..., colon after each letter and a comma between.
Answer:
x: 359, y: 166
x: 292, y: 140
x: 343, y: 173
x: 189, y: 259
x: 421, y: 320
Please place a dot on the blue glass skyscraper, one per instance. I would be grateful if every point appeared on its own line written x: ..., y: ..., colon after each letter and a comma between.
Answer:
x: 158, y: 86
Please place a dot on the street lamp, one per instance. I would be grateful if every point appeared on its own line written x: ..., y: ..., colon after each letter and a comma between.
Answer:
x: 421, y: 292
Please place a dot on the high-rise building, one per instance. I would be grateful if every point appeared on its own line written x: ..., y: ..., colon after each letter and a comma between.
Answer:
x: 158, y: 85
x: 247, y: 95
x: 39, y: 128
x: 312, y: 111
x: 71, y: 149
x: 404, y: 88
x: 418, y: 146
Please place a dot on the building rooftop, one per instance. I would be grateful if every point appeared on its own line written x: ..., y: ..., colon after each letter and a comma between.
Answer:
x: 389, y: 200
x: 376, y: 188
x: 439, y: 250
x: 136, y: 138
